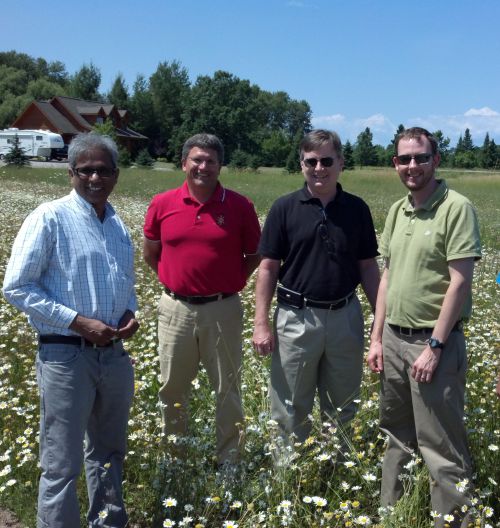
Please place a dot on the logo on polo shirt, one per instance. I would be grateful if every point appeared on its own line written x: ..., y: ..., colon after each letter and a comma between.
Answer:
x: 220, y: 220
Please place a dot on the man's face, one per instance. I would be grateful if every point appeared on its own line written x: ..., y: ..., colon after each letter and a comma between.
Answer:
x: 416, y: 177
x: 202, y: 170
x: 94, y: 177
x: 322, y: 180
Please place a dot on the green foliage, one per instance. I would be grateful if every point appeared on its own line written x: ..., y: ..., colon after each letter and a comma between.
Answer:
x: 364, y: 151
x: 16, y: 155
x: 292, y: 164
x: 105, y: 129
x: 144, y: 159
x: 124, y: 158
x: 243, y: 160
x: 489, y: 156
x: 84, y: 84
x: 443, y: 144
x: 119, y: 93
x: 142, y: 110
x: 169, y: 87
x: 348, y: 153
x: 275, y: 148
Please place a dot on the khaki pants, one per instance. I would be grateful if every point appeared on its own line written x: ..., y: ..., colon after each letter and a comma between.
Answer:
x: 316, y: 349
x: 428, y: 416
x: 211, y: 334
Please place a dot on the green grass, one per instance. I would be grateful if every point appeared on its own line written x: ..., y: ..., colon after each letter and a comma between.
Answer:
x: 350, y: 492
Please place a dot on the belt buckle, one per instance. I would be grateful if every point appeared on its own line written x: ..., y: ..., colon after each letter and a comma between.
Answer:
x: 408, y: 332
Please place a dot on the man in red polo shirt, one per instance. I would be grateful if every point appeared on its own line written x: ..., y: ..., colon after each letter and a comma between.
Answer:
x: 201, y: 239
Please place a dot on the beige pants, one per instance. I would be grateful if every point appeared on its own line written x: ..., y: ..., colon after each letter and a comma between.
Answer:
x: 428, y: 416
x: 211, y: 334
x: 316, y: 349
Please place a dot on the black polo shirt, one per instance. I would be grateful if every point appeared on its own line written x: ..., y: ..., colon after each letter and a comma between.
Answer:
x: 319, y: 262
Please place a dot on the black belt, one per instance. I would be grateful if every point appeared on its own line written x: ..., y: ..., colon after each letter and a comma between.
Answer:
x: 54, y: 339
x: 408, y: 332
x: 197, y: 299
x: 327, y: 305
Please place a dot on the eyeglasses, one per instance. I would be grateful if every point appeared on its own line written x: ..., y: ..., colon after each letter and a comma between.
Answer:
x: 323, y: 233
x: 312, y: 162
x: 86, y: 172
x: 420, y: 159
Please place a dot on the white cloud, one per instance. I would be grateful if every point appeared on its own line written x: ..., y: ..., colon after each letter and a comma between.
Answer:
x: 485, y: 111
x: 328, y: 119
x: 477, y: 120
x: 349, y: 128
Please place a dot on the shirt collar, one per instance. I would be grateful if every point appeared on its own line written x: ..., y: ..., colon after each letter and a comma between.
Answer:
x: 219, y: 194
x: 432, y: 202
x: 88, y: 207
x: 306, y: 196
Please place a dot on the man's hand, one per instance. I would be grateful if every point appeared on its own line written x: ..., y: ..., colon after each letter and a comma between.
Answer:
x: 375, y: 358
x: 127, y: 326
x: 93, y: 330
x: 425, y: 365
x: 263, y: 339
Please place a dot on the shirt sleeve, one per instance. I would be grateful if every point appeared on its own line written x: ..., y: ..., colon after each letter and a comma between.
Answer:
x: 31, y: 254
x: 273, y: 241
x: 152, y: 227
x: 368, y: 245
x: 251, y: 231
x: 462, y: 233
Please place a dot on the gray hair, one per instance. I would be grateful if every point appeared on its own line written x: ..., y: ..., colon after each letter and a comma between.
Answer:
x: 92, y: 141
x: 204, y: 141
x: 317, y: 138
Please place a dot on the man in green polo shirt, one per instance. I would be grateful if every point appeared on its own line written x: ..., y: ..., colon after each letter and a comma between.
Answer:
x: 430, y: 242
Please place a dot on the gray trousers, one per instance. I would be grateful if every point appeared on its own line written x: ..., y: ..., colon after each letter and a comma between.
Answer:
x: 85, y: 393
x: 316, y: 349
x: 428, y: 416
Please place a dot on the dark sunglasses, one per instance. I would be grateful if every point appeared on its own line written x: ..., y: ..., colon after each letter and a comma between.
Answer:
x: 323, y: 233
x: 420, y: 159
x: 312, y: 162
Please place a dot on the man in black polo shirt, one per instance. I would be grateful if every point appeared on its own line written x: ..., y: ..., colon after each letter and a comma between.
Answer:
x: 320, y: 243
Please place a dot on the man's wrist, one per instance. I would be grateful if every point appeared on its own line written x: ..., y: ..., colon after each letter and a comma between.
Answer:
x: 435, y: 343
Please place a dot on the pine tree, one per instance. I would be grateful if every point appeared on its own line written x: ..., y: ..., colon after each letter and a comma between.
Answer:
x: 468, y: 145
x: 348, y: 156
x: 16, y: 155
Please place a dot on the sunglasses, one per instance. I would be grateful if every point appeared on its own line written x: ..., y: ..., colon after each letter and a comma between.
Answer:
x: 325, y: 236
x: 420, y: 159
x: 325, y: 162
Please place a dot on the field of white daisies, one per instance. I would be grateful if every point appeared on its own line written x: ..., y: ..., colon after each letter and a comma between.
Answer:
x: 324, y: 484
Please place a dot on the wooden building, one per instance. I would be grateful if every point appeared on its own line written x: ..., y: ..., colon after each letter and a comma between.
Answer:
x: 69, y: 116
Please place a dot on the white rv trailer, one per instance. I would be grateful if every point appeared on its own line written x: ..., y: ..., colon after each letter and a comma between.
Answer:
x: 36, y: 143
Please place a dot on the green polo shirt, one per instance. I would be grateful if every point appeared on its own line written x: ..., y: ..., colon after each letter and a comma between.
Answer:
x: 420, y: 243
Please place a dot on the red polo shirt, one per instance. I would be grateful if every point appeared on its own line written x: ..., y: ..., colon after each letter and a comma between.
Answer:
x: 202, y: 244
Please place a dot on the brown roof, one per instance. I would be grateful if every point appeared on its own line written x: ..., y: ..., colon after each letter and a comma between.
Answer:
x: 66, y: 115
x: 58, y: 120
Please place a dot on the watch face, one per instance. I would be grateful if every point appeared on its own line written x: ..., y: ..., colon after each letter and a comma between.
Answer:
x: 435, y: 343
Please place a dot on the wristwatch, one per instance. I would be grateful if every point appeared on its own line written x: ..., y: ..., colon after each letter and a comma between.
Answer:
x: 435, y: 343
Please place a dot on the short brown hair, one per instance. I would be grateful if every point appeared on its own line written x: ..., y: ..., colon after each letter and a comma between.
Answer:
x: 317, y: 138
x: 416, y: 133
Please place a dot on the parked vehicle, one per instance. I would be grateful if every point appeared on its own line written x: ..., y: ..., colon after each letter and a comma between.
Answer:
x: 35, y: 143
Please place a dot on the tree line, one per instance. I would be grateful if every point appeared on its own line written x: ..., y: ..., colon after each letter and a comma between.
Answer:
x: 464, y: 155
x: 257, y: 127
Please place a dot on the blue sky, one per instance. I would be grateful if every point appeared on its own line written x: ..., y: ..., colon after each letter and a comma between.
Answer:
x: 358, y: 63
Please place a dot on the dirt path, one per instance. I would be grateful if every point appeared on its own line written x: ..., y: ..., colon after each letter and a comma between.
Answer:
x: 7, y: 520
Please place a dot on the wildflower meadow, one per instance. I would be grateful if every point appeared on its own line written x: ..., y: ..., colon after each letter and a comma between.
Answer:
x: 330, y: 480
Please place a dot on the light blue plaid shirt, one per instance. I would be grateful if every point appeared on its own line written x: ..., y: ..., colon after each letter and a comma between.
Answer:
x: 65, y: 262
